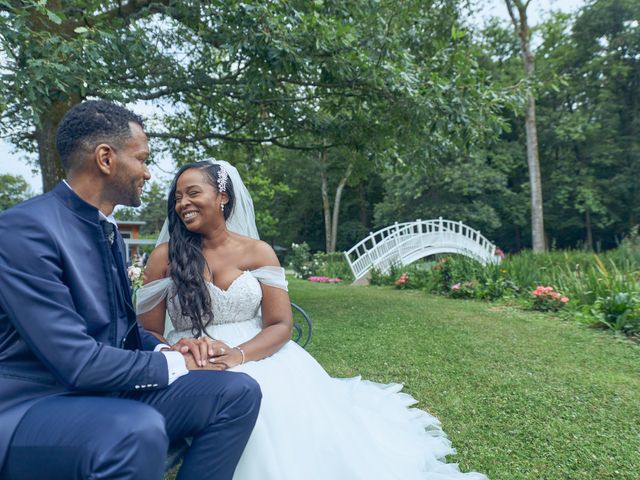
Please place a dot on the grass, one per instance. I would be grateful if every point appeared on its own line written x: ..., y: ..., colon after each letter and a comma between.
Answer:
x: 602, y: 290
x: 522, y: 395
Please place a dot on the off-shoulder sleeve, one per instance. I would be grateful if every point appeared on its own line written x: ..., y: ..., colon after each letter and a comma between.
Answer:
x: 151, y: 294
x: 272, y: 276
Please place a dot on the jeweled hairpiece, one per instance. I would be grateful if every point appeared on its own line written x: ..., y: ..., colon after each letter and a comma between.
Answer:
x: 223, y: 177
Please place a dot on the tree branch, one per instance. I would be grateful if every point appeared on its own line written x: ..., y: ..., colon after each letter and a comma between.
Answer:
x: 252, y: 141
x: 512, y: 14
x: 132, y: 9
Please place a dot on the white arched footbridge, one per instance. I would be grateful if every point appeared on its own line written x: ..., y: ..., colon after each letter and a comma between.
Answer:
x: 404, y: 243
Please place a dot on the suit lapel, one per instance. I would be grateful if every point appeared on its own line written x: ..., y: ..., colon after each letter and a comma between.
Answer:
x: 131, y: 339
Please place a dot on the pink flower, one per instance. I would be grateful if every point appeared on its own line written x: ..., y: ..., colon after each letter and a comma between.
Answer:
x: 455, y: 287
x: 546, y: 298
x: 320, y: 279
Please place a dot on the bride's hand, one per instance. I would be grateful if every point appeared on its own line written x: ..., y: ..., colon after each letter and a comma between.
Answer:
x: 201, y: 348
x: 227, y: 358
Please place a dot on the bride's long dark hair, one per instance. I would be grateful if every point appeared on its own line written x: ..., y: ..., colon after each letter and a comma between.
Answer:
x: 186, y: 261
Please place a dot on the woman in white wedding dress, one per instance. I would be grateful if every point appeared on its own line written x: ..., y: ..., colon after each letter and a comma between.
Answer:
x: 218, y: 284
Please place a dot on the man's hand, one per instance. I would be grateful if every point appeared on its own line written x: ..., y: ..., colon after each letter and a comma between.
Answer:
x: 201, y: 349
x: 193, y: 365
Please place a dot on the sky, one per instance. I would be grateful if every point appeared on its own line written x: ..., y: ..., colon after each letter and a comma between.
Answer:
x: 535, y: 12
x: 16, y: 163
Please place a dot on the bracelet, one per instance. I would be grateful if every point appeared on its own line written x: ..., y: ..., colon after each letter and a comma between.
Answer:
x: 242, y: 352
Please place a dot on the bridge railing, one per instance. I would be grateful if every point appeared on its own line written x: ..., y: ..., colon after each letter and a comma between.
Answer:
x: 390, y: 245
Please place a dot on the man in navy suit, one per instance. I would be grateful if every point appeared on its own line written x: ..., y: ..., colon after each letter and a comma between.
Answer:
x: 84, y: 391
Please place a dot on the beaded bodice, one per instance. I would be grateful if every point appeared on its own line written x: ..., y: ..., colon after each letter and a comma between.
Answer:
x: 239, y: 303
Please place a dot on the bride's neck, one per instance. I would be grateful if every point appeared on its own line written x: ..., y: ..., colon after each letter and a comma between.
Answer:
x: 216, y: 237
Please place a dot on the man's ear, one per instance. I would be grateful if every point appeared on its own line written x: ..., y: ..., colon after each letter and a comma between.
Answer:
x: 104, y: 157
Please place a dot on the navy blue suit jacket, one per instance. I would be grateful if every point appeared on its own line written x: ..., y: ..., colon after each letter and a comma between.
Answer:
x: 61, y: 323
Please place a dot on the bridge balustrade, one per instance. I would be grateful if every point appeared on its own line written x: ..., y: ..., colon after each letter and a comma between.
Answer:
x: 404, y: 243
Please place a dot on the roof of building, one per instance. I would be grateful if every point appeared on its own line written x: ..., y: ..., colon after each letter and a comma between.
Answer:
x: 129, y: 222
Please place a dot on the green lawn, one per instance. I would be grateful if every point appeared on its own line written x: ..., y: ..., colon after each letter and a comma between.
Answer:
x: 522, y: 395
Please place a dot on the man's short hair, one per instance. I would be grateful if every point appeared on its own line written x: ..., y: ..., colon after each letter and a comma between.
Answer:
x: 89, y: 124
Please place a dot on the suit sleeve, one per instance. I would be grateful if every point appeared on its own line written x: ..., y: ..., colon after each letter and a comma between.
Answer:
x: 149, y: 341
x: 38, y: 302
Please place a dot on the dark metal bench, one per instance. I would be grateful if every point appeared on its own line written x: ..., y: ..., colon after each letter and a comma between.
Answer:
x: 301, y: 334
x: 302, y: 326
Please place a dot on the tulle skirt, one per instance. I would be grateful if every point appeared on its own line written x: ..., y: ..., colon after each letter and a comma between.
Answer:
x: 315, y: 427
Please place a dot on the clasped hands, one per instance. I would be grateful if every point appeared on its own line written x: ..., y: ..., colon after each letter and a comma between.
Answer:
x: 205, y: 353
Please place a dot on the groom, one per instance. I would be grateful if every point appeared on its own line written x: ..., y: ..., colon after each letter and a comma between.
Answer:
x: 84, y: 391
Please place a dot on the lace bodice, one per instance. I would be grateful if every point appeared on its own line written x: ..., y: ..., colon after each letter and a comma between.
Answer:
x: 238, y: 303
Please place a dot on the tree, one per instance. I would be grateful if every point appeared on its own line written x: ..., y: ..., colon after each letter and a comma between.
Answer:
x: 344, y: 86
x: 587, y: 109
x: 366, y: 82
x: 57, y: 53
x: 13, y: 189
x: 154, y: 210
x: 246, y: 72
x: 518, y: 13
x: 607, y: 38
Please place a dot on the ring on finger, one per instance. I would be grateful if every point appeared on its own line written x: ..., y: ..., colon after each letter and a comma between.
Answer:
x: 222, y: 350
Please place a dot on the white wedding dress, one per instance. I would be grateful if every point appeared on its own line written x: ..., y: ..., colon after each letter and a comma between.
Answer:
x: 312, y: 426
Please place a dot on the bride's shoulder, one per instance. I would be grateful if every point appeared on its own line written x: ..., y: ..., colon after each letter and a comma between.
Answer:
x: 260, y: 254
x: 158, y: 263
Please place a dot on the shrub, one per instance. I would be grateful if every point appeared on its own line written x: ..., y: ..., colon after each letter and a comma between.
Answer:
x: 547, y: 299
x: 493, y: 289
x: 619, y: 312
x: 332, y: 265
x: 402, y: 281
x: 320, y: 264
x: 463, y: 290
x: 300, y: 260
x: 378, y: 277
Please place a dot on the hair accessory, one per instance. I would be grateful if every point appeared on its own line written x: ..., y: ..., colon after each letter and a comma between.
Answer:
x: 223, y: 177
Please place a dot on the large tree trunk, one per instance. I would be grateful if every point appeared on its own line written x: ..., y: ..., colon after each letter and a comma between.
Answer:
x: 48, y: 158
x: 326, y: 207
x: 336, y: 208
x: 331, y: 219
x: 522, y: 30
x: 535, y: 181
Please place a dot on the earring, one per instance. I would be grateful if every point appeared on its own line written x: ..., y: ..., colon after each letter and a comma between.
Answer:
x: 222, y: 207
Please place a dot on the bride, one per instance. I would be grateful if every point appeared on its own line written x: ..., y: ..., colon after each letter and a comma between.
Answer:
x: 216, y: 280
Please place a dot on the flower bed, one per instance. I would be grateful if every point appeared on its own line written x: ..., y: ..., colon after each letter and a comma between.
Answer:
x: 321, y: 279
x: 599, y: 290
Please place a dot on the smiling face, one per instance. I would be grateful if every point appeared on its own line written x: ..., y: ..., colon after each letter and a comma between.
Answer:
x: 198, y: 201
x: 131, y: 172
